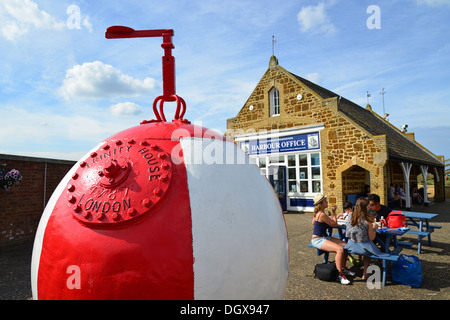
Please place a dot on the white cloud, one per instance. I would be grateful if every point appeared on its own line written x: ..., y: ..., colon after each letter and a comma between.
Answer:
x: 314, y: 19
x: 43, y: 133
x: 353, y: 85
x: 87, y: 24
x: 97, y: 80
x: 17, y: 16
x: 44, y: 127
x: 434, y: 3
x: 126, y: 109
x: 314, y: 77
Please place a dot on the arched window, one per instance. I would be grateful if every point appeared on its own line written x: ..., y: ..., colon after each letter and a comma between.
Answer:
x: 274, y: 96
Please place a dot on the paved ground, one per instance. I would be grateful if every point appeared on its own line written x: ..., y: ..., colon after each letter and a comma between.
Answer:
x: 435, y: 265
x: 15, y: 267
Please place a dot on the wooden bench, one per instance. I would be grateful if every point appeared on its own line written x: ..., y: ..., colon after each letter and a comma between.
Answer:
x: 421, y: 221
x: 386, y: 259
x: 420, y: 235
x: 320, y: 252
x: 405, y: 244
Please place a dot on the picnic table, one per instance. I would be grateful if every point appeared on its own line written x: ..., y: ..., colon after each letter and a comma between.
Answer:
x: 421, y: 221
x: 389, y: 239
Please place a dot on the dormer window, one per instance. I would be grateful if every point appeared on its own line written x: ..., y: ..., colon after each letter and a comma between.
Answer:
x: 274, y: 96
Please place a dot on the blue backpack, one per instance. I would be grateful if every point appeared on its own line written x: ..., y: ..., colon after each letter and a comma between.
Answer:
x: 407, y: 270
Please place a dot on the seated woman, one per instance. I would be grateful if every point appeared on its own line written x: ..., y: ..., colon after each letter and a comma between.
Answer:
x: 416, y: 197
x: 322, y: 241
x: 361, y: 231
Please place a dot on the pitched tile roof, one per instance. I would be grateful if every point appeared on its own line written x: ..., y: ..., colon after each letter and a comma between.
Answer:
x: 400, y: 148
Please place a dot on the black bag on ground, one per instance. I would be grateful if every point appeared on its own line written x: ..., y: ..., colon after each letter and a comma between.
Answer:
x: 326, y: 271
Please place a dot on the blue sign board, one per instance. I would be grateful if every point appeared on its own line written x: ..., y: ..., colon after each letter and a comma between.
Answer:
x: 299, y: 142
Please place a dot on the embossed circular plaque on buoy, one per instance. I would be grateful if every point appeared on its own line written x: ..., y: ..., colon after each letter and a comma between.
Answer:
x: 106, y: 188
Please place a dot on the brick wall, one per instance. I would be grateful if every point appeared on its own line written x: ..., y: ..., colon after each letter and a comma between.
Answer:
x: 21, y: 207
x: 351, y: 181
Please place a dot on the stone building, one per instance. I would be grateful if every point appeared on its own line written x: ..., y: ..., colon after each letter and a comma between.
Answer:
x: 308, y: 140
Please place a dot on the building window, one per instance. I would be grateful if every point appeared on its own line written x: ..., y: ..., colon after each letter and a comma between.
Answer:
x: 315, y: 173
x: 303, y: 178
x: 294, y: 154
x: 292, y: 173
x: 274, y: 96
x: 303, y: 171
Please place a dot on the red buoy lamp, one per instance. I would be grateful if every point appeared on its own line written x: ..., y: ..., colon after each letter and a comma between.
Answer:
x: 163, y: 210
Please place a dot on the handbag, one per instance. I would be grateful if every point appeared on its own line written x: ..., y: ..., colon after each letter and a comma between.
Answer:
x: 326, y: 271
x: 396, y: 219
x: 407, y: 270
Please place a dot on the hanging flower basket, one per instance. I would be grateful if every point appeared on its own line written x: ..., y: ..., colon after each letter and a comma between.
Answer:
x: 8, y: 178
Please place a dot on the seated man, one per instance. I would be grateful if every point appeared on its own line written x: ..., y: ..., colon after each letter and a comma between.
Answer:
x: 377, y: 209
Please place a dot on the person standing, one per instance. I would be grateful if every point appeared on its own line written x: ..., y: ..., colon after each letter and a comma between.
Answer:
x: 366, y: 191
x: 391, y: 192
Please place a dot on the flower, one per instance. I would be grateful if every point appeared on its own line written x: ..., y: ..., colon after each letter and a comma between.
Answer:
x: 8, y: 178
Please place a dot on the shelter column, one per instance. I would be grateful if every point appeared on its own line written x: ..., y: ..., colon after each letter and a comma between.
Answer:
x: 406, y: 168
x: 424, y: 170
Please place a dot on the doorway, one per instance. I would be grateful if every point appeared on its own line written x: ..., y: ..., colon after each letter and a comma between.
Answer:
x: 277, y: 178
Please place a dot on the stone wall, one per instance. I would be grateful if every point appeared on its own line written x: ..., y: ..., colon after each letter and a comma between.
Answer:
x: 343, y: 143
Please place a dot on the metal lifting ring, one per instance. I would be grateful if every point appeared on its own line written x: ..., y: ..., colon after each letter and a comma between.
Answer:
x: 160, y: 114
x: 179, y: 116
x: 158, y: 117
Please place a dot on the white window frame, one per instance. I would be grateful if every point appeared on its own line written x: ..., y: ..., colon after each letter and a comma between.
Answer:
x: 310, y: 180
x: 243, y: 141
x: 274, y: 97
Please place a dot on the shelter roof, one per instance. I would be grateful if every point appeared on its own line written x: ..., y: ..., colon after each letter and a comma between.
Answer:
x: 400, y: 147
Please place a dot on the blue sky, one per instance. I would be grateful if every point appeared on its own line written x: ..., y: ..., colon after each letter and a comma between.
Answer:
x: 64, y: 87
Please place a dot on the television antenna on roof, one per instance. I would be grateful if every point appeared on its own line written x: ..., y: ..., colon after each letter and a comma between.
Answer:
x: 382, y: 95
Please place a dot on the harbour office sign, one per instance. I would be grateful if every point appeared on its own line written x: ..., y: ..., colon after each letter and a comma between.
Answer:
x: 299, y: 142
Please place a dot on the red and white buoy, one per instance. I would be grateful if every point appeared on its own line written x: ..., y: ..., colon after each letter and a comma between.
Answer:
x: 163, y: 210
